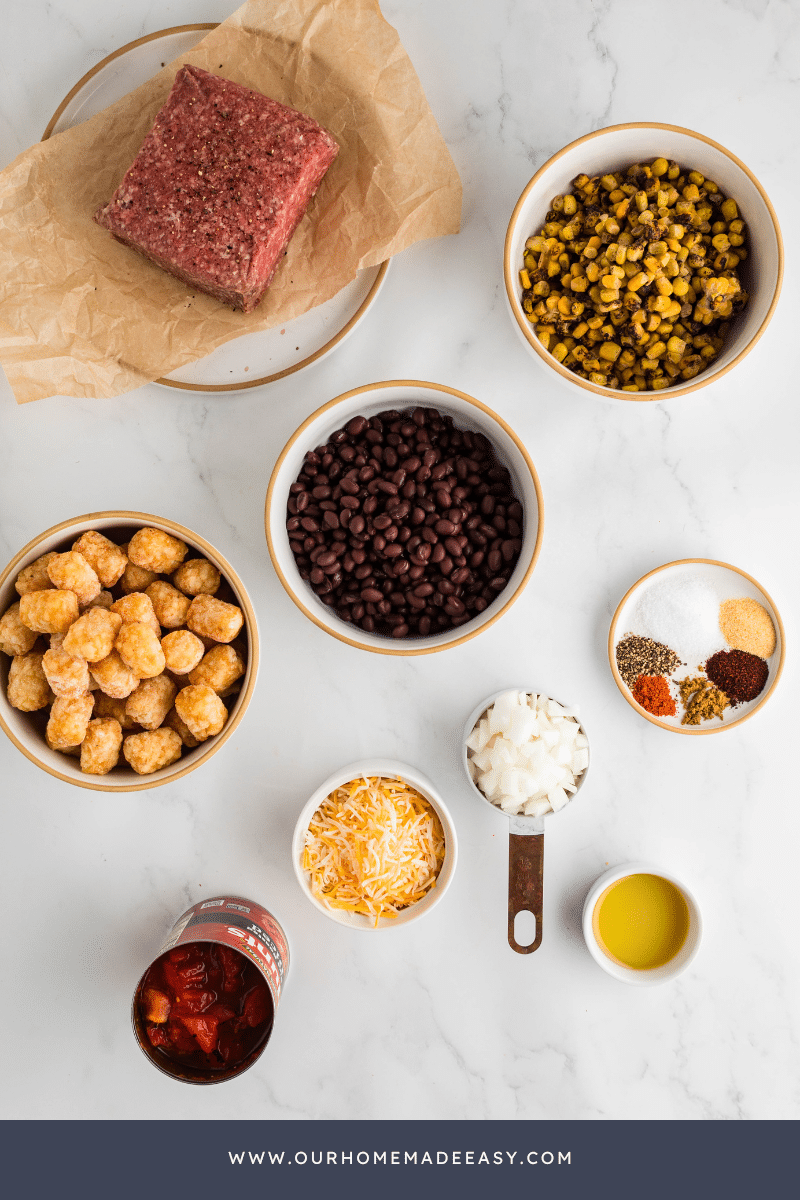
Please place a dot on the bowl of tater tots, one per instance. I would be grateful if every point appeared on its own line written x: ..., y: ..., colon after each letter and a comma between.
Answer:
x: 128, y: 651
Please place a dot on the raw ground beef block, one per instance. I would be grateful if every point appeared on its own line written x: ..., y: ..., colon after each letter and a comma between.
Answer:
x: 219, y: 186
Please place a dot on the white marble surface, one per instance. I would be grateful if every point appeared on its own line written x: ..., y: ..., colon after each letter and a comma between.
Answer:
x: 440, y: 1019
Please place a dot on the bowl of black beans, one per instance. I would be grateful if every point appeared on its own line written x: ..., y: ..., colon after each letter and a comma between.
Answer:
x: 404, y: 517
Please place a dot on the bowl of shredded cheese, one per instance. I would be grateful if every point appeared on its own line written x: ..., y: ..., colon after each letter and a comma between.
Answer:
x: 375, y: 846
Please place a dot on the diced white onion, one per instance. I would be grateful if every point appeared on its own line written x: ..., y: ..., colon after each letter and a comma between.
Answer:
x: 526, y: 753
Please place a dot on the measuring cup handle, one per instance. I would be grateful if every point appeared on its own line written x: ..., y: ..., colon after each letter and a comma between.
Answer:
x: 525, y: 884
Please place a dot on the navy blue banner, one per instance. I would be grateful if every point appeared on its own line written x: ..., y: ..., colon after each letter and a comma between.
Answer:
x: 617, y: 1160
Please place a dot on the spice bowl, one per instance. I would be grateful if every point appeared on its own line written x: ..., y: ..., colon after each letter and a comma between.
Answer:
x: 615, y: 149
x: 679, y: 608
x: 27, y: 729
x: 367, y: 402
x: 370, y: 768
x: 672, y: 890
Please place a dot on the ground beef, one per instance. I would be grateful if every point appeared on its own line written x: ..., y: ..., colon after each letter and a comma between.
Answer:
x: 219, y: 186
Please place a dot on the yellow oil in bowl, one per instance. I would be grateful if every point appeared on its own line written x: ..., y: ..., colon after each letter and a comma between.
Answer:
x: 641, y: 921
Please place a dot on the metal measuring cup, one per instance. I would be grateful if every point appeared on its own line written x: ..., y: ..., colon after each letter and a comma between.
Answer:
x: 525, y: 840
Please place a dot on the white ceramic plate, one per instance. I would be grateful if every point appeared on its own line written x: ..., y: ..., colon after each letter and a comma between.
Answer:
x: 729, y: 583
x: 255, y: 358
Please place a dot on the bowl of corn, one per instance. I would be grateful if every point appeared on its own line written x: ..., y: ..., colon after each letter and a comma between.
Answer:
x: 641, y: 259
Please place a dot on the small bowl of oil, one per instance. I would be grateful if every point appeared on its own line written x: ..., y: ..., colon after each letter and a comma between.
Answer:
x: 641, y: 924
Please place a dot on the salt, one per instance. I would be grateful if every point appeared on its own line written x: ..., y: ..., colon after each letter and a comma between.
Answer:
x: 682, y: 613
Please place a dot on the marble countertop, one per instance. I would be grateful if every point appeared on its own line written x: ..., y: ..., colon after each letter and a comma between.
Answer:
x: 440, y: 1019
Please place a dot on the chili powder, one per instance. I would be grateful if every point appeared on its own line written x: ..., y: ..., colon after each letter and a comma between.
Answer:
x: 740, y: 675
x: 652, y: 692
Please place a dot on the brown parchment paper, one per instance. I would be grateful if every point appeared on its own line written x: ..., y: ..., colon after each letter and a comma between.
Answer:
x: 82, y: 315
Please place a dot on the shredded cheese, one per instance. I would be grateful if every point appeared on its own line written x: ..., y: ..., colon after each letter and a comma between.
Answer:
x: 374, y: 846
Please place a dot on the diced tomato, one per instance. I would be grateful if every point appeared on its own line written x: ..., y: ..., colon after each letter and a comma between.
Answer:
x: 206, y: 1005
x: 156, y: 1006
x: 257, y: 1006
x: 172, y: 978
x: 204, y: 1029
x: 232, y: 966
x: 220, y: 1012
x: 230, y: 1047
x: 195, y: 971
x: 188, y: 975
x: 191, y: 1003
x: 181, y: 1039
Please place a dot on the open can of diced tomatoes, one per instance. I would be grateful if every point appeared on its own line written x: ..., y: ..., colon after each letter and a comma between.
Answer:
x: 204, y: 1009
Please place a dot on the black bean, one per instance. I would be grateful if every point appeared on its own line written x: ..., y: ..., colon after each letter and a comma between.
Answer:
x: 382, y: 520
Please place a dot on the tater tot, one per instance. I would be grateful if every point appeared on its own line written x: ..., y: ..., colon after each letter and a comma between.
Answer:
x: 171, y: 606
x: 114, y: 677
x: 101, y: 746
x: 137, y: 607
x: 183, y: 651
x: 182, y: 729
x: 196, y: 577
x: 49, y: 611
x: 16, y: 637
x: 103, y: 599
x: 156, y: 551
x: 28, y: 688
x: 71, y: 572
x: 66, y: 674
x: 202, y: 710
x: 92, y: 636
x: 140, y: 649
x: 106, y: 560
x: 151, y: 701
x: 71, y: 751
x: 109, y: 706
x: 68, y: 721
x: 34, y: 578
x: 220, y: 668
x: 136, y: 579
x: 214, y: 618
x: 152, y: 750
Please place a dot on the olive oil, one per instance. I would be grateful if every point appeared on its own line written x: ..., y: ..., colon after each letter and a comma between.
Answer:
x: 641, y: 921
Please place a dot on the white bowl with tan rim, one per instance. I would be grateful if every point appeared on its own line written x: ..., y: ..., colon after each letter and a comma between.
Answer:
x: 729, y: 583
x: 26, y: 730
x: 615, y: 149
x: 370, y: 768
x: 369, y: 400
